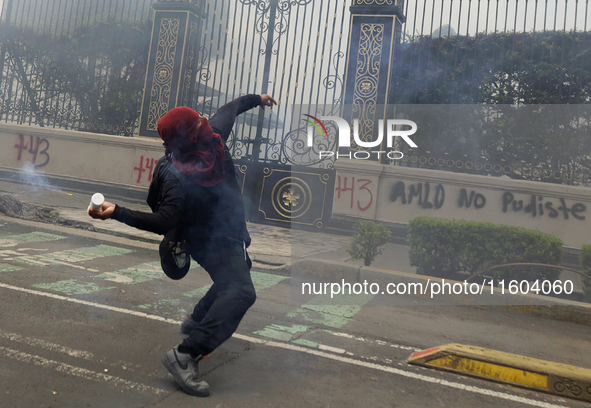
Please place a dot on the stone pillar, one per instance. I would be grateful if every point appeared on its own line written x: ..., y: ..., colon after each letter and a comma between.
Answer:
x: 172, y: 60
x: 375, y: 26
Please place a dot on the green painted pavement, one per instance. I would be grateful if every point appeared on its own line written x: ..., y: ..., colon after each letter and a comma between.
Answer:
x: 163, y: 307
x: 306, y: 343
x: 284, y: 333
x: 72, y: 256
x: 9, y: 268
x: 320, y: 310
x: 325, y: 311
x: 136, y: 274
x: 36, y: 236
x: 198, y: 293
x: 145, y: 272
x: 72, y: 286
x: 260, y: 280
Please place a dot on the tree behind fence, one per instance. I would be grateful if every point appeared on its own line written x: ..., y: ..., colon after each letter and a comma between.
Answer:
x: 509, y: 54
x: 74, y: 64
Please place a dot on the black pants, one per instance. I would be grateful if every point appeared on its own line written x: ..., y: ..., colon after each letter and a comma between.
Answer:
x: 222, y: 308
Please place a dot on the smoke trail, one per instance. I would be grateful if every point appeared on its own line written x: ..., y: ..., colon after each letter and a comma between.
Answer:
x: 30, y: 176
x: 34, y: 178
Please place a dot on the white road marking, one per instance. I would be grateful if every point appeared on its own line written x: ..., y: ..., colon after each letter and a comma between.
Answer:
x: 43, y: 261
x: 4, y: 243
x: 46, y: 345
x: 79, y: 372
x: 314, y: 352
x: 6, y: 253
x: 118, y: 278
x: 331, y: 349
x: 403, y: 373
x: 379, y: 342
x: 61, y: 349
x: 86, y: 303
x: 13, y: 253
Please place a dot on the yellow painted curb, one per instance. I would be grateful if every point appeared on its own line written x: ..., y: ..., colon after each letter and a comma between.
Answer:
x: 559, y: 379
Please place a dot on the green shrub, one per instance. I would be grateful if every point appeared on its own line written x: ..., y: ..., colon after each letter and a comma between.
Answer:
x: 443, y: 248
x: 366, y: 244
x: 585, y: 259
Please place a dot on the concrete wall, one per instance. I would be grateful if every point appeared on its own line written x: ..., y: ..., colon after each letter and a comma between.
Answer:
x: 399, y: 194
x: 362, y: 189
x: 88, y: 156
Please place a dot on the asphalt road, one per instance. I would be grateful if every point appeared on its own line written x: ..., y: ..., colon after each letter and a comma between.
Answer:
x: 86, y: 317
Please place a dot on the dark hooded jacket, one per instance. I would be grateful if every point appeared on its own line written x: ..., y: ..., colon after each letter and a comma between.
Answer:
x: 203, y: 214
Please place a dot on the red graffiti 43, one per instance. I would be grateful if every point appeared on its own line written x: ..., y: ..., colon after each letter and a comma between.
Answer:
x: 358, y: 188
x: 36, y: 146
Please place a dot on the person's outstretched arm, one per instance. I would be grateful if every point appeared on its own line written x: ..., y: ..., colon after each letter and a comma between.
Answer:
x: 167, y: 216
x: 223, y: 120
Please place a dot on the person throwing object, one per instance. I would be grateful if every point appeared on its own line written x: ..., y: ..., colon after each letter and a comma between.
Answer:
x: 194, y: 196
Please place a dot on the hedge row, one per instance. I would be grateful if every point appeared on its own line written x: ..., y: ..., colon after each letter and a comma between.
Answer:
x: 444, y: 248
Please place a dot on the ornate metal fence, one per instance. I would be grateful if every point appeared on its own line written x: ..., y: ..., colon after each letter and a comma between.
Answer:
x: 74, y: 64
x: 439, y: 18
x: 293, y: 50
x: 81, y: 64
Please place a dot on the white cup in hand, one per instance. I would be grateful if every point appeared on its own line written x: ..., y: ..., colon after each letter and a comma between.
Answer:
x: 96, y: 202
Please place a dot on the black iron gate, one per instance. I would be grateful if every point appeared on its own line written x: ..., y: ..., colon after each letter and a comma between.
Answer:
x: 81, y: 65
x: 294, y: 51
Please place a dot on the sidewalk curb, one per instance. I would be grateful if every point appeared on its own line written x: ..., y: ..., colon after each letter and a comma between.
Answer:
x: 324, y: 271
x: 89, y: 186
x: 539, y: 375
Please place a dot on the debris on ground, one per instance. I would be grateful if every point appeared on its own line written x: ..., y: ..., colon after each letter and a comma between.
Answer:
x: 13, y: 207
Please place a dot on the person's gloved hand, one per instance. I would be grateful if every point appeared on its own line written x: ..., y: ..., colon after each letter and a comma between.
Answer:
x: 105, y: 213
